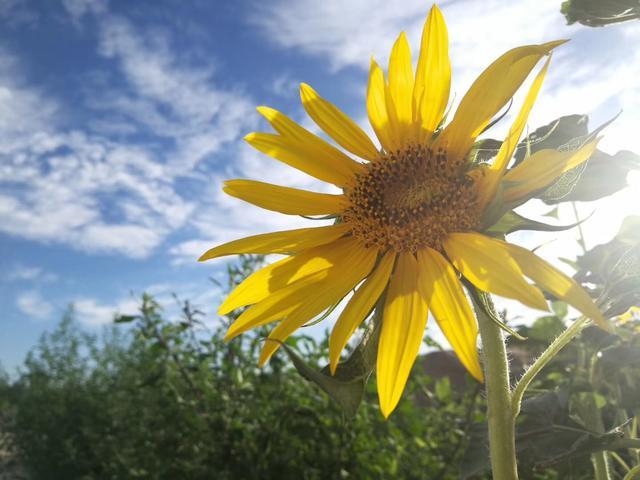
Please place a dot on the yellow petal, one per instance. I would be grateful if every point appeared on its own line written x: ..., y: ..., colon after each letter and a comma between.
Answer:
x: 292, y: 131
x: 305, y: 157
x: 557, y: 283
x: 404, y: 320
x: 487, y: 263
x: 488, y: 94
x: 450, y: 307
x: 268, y: 280
x: 287, y: 241
x: 359, y: 308
x: 377, y: 106
x: 287, y: 300
x: 508, y: 147
x: 334, y: 288
x: 337, y: 125
x: 433, y: 74
x: 287, y: 200
x: 541, y: 169
x: 277, y: 305
x: 401, y: 88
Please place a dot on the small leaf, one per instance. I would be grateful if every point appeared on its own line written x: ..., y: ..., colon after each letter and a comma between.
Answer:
x: 484, y: 150
x: 125, y: 318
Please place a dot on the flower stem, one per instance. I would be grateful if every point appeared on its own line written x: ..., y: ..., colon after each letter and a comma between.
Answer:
x: 552, y: 350
x: 500, y: 415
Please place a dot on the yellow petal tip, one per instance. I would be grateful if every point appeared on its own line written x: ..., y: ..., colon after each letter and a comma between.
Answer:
x: 555, y: 43
x: 249, y: 137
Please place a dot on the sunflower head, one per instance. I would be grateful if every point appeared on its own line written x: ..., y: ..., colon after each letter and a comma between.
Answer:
x: 411, y: 199
x: 411, y: 220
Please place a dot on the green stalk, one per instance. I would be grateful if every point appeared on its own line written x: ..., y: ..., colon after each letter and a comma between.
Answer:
x: 552, y: 350
x: 501, y: 418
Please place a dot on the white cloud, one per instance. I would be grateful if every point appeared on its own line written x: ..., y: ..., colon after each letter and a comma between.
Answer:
x: 173, y: 97
x: 78, y: 9
x: 585, y: 77
x: 32, y: 303
x: 21, y: 273
x: 284, y: 85
x: 92, y: 313
x: 93, y: 189
x: 17, y: 13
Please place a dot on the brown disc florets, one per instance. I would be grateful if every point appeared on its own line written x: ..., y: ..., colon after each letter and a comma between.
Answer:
x: 411, y: 199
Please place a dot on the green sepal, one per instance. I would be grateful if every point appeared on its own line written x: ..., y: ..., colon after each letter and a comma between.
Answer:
x: 483, y: 301
x: 512, y: 222
x: 324, y: 316
x: 348, y: 385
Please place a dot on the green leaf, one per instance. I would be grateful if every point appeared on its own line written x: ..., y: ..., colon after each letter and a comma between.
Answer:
x: 512, y: 222
x: 545, y: 329
x: 603, y: 175
x: 545, y: 437
x: 561, y: 309
x: 564, y: 185
x: 482, y: 301
x: 443, y: 389
x: 484, y: 150
x: 553, y: 135
x: 614, y: 268
x: 125, y: 318
x: 598, y: 13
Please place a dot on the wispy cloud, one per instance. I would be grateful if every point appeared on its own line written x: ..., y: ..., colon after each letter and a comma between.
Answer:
x: 91, y: 187
x: 93, y: 312
x: 22, y: 273
x: 584, y: 77
x: 78, y: 9
x: 32, y: 303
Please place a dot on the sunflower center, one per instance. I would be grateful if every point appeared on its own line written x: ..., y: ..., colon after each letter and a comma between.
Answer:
x: 409, y: 200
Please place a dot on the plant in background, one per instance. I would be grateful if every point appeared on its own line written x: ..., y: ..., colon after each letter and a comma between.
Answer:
x: 162, y: 397
x: 598, y: 13
x: 418, y: 220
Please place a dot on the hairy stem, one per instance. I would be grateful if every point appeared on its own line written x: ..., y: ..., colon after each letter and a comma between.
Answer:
x: 552, y: 350
x: 501, y: 420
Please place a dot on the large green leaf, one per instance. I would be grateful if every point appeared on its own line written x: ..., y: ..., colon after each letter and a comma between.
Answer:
x: 547, y: 436
x: 553, y: 135
x: 614, y: 268
x: 602, y: 175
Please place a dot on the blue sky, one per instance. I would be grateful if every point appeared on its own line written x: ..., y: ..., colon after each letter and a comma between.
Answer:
x: 119, y: 120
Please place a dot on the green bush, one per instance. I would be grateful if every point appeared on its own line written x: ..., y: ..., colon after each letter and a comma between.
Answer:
x: 161, y: 398
x: 168, y: 399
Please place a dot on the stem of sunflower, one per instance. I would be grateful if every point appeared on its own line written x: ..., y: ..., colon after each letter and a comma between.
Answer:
x: 500, y: 415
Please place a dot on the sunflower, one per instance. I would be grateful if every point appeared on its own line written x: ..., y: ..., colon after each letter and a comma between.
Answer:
x: 408, y: 230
